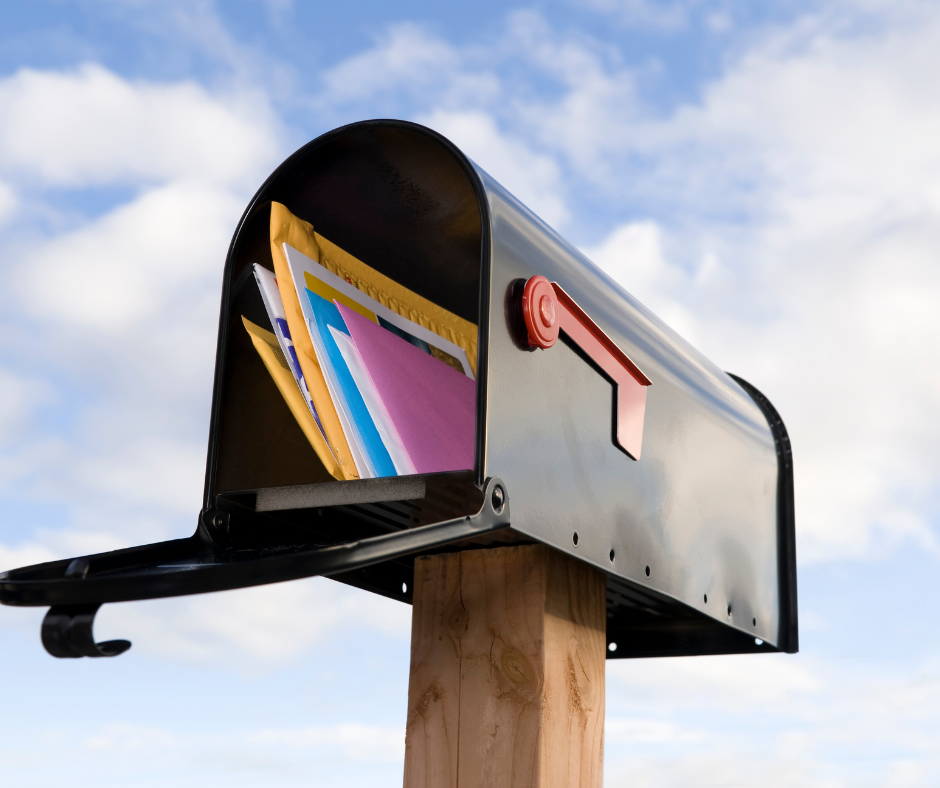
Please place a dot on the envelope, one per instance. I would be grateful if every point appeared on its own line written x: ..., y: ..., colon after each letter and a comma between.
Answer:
x: 287, y: 228
x: 273, y: 357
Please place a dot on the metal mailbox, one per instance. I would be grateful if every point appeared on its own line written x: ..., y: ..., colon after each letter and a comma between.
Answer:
x: 599, y: 431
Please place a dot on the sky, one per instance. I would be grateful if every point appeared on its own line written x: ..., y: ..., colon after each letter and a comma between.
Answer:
x: 765, y: 177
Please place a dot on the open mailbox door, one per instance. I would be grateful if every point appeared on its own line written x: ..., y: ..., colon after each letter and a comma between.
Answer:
x: 599, y: 431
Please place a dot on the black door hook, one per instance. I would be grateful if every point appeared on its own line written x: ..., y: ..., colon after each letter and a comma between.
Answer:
x: 66, y: 633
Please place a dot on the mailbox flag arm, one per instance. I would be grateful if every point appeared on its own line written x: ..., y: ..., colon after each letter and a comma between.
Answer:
x: 548, y: 309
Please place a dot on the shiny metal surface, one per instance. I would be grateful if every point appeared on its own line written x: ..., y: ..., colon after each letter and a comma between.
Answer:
x: 699, y: 509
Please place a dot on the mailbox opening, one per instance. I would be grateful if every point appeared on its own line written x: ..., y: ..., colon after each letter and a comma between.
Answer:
x: 409, y: 205
x: 399, y: 201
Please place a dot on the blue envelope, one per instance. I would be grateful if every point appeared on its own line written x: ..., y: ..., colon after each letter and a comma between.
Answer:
x: 328, y: 315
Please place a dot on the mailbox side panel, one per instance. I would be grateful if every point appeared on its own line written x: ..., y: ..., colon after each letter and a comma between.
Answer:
x: 695, y: 519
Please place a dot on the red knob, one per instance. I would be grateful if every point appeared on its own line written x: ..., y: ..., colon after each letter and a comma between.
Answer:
x: 539, y: 308
x: 547, y: 310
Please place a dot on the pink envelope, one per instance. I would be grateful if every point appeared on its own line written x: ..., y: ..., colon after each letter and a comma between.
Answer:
x: 432, y: 405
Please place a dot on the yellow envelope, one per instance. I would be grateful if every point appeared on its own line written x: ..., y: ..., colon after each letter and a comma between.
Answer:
x: 273, y: 357
x: 399, y: 299
x: 287, y: 228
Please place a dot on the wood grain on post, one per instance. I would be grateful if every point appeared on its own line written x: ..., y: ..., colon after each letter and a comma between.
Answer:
x: 507, y: 671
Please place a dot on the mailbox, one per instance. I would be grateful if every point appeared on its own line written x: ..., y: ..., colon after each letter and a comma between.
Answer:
x: 599, y: 431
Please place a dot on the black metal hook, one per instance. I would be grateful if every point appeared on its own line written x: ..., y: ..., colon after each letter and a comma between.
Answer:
x: 66, y: 633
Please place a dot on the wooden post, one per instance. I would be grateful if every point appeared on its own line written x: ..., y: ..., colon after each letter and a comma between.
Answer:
x: 507, y: 671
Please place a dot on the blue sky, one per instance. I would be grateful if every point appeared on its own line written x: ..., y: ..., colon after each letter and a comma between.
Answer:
x: 767, y: 179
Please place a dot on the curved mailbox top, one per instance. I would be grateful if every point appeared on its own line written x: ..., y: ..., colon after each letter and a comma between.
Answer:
x: 574, y: 377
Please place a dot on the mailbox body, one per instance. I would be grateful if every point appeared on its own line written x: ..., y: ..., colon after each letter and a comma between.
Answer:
x: 696, y: 537
x: 695, y: 519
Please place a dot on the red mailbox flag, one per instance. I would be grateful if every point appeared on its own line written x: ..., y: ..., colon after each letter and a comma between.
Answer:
x: 547, y: 308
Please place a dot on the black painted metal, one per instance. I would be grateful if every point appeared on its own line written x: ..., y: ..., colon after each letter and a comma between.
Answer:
x: 196, y: 565
x: 696, y: 538
x: 789, y: 638
x: 66, y: 633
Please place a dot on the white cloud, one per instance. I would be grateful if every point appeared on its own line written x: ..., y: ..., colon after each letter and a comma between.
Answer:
x: 447, y: 86
x: 826, y: 297
x: 147, y: 753
x: 254, y: 628
x: 349, y: 741
x: 91, y: 126
x: 140, y: 260
x: 22, y: 396
x: 154, y: 472
x: 115, y: 316
x: 778, y: 721
x: 631, y: 731
x: 796, y: 763
x: 23, y: 555
x: 586, y: 113
x: 357, y: 742
x: 131, y: 737
x: 407, y: 56
x: 836, y: 340
x: 461, y: 92
x: 737, y: 682
x: 633, y: 255
x: 836, y: 127
x: 532, y: 177
x: 8, y: 201
x: 406, y: 72
x: 642, y: 14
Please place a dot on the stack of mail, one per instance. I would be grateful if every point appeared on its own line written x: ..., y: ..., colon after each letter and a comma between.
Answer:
x: 403, y: 396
